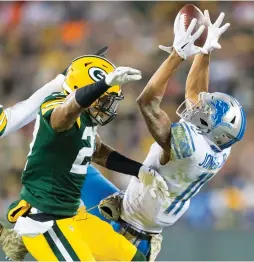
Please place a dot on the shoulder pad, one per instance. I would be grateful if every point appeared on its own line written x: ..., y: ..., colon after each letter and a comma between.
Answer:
x: 52, y: 101
x: 182, y: 144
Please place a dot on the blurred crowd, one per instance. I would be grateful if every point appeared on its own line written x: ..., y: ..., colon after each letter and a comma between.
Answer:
x: 39, y: 39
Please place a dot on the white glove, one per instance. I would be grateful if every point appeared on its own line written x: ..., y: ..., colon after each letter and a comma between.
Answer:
x: 214, y: 31
x: 184, y: 41
x: 152, y: 179
x: 122, y: 75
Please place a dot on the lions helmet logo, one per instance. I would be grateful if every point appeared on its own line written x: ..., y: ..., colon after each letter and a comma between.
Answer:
x: 221, y: 109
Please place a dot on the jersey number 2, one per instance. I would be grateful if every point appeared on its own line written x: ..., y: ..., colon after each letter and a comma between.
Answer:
x: 84, y: 152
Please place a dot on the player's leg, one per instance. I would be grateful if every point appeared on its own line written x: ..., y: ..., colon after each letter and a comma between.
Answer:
x: 96, y: 188
x: 39, y: 248
x: 103, y: 241
x: 60, y: 243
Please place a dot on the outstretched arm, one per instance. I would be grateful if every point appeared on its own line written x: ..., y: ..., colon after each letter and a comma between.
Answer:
x: 107, y: 157
x: 65, y: 115
x: 198, y: 78
x: 14, y: 118
x: 149, y: 101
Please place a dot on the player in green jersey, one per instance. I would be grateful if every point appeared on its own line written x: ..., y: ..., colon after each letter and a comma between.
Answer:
x: 65, y: 140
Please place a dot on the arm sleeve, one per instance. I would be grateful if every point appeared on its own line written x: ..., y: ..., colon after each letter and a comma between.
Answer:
x: 25, y: 112
x: 182, y: 141
x: 122, y: 164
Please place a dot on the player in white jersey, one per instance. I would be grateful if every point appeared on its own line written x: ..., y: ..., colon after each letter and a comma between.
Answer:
x: 190, y: 152
x: 185, y: 153
x: 192, y: 163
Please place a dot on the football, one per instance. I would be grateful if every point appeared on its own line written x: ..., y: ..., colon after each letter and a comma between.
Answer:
x: 190, y: 12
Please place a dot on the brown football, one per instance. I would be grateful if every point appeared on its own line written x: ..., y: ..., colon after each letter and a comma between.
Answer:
x: 190, y: 12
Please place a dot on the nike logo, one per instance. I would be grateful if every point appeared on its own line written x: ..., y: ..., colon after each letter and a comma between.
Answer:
x: 184, y: 45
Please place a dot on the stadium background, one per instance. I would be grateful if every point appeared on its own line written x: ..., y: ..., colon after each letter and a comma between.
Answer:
x: 39, y: 39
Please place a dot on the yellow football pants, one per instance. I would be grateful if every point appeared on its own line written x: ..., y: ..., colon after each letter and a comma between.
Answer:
x: 83, y: 237
x: 103, y: 241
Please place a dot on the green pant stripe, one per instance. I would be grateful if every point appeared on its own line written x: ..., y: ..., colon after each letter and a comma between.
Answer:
x: 53, y: 247
x: 65, y: 243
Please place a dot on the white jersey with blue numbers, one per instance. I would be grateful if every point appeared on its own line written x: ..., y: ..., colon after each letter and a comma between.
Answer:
x: 193, y: 161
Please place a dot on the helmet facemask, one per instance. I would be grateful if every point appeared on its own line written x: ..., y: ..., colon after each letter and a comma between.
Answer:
x: 103, y: 110
x: 190, y: 112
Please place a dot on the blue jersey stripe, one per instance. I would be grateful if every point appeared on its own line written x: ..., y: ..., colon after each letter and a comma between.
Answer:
x: 202, y: 182
x: 202, y: 179
x: 180, y: 197
x: 188, y: 197
x: 183, y: 200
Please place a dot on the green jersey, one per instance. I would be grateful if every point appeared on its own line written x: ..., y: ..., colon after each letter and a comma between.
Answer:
x: 57, y: 162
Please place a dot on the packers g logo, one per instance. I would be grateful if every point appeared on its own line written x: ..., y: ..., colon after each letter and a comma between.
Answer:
x: 97, y: 73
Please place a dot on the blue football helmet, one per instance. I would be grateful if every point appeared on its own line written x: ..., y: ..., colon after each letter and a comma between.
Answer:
x: 218, y: 116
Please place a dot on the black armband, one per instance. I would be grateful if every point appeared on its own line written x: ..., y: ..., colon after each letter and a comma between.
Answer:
x: 122, y: 164
x: 86, y: 95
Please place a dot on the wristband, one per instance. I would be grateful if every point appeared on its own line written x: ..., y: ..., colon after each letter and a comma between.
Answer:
x: 122, y: 164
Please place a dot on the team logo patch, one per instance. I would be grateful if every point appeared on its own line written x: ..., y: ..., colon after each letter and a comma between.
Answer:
x: 97, y: 73
x: 221, y: 109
